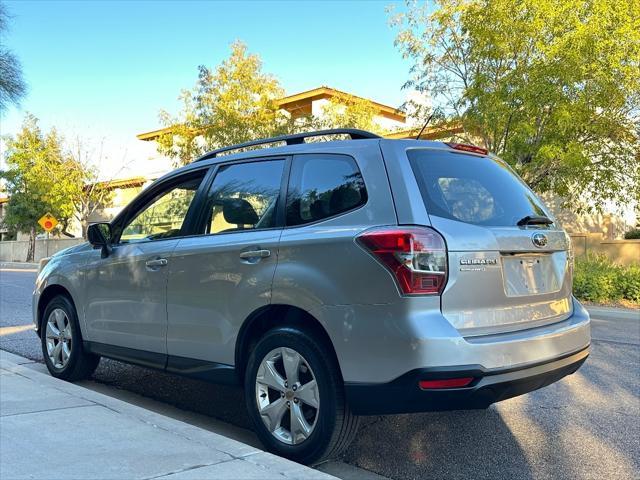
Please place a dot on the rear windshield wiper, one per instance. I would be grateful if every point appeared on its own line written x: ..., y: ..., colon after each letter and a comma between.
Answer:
x: 534, y: 220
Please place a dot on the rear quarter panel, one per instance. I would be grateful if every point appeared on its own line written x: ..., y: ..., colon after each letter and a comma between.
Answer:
x: 320, y: 263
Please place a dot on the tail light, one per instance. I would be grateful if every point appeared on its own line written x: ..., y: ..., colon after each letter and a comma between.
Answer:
x: 416, y: 256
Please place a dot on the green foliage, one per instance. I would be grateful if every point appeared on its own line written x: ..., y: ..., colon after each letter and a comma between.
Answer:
x: 233, y: 104
x: 597, y: 279
x: 633, y: 234
x: 237, y: 102
x: 35, y: 162
x: 552, y: 86
x: 44, y: 177
x: 629, y: 283
x: 348, y: 111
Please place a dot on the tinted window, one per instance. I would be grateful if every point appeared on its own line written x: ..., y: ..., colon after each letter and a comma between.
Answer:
x: 163, y: 216
x: 244, y: 196
x: 472, y: 189
x: 321, y: 186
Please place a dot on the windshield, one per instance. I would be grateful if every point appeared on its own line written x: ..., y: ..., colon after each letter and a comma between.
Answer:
x: 472, y: 189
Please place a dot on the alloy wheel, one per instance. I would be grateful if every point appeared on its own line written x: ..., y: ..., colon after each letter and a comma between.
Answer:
x: 287, y: 395
x: 58, y: 338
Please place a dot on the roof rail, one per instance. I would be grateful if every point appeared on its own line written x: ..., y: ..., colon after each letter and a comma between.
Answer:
x: 294, y: 139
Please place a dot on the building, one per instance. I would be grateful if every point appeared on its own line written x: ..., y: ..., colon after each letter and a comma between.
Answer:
x: 314, y: 101
x: 5, y: 234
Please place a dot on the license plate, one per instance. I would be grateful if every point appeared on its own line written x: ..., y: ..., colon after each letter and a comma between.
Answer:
x: 529, y: 275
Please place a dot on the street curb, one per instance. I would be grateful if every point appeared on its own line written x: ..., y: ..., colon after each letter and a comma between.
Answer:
x: 614, y: 312
x: 271, y: 464
x: 18, y: 266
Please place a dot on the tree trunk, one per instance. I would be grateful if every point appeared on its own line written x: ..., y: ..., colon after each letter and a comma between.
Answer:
x: 31, y: 250
x: 85, y: 225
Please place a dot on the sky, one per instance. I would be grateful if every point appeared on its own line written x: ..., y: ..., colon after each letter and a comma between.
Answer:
x: 103, y: 70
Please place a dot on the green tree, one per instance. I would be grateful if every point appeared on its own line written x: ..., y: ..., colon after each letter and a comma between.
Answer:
x: 552, y: 86
x: 237, y: 102
x: 12, y: 86
x: 349, y: 111
x: 35, y: 161
x: 232, y: 104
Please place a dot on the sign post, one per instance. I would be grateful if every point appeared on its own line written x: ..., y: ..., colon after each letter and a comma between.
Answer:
x: 48, y: 222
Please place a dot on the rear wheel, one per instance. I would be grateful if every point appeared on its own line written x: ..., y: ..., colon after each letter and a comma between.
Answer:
x: 295, y: 397
x: 62, y: 342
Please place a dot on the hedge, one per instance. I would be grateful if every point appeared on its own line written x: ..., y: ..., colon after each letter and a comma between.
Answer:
x: 597, y: 279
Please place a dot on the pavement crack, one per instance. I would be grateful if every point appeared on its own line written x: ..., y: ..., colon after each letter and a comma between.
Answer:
x: 93, y: 404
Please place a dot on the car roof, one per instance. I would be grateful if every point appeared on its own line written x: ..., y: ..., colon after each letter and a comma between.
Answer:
x: 334, y: 146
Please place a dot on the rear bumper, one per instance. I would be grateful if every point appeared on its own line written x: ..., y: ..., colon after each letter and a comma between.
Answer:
x: 403, y: 395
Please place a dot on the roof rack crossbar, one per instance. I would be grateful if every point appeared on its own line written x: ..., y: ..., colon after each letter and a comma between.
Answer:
x: 294, y: 139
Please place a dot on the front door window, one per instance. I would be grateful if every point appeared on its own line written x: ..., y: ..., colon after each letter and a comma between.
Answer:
x: 164, y: 216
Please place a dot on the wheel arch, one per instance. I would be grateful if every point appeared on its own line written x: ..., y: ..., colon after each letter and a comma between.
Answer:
x: 50, y: 292
x: 273, y: 316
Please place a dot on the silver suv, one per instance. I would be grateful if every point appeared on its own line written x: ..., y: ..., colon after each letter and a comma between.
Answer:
x: 332, y: 279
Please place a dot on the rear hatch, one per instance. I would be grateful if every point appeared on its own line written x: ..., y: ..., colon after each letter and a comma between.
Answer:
x: 509, y: 267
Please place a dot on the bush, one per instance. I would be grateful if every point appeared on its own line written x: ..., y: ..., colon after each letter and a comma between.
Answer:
x: 629, y: 281
x: 633, y: 234
x: 597, y: 279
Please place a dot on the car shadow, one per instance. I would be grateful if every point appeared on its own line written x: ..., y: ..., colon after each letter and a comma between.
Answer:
x: 584, y: 426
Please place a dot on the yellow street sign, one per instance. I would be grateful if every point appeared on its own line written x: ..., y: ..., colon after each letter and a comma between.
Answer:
x: 48, y: 222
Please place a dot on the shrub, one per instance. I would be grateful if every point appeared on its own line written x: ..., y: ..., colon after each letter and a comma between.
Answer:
x: 629, y: 283
x: 597, y: 279
x: 633, y: 234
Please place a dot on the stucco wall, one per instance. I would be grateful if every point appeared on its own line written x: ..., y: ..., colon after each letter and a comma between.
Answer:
x: 624, y: 252
x: 16, y: 251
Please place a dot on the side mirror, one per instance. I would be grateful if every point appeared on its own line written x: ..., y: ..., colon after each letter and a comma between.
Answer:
x: 99, y: 236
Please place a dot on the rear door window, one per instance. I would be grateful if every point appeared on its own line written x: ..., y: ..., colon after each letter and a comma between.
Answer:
x: 472, y: 189
x: 322, y: 186
x: 244, y: 196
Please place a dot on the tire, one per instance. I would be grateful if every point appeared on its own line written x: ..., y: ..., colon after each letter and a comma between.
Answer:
x: 70, y: 362
x: 333, y: 425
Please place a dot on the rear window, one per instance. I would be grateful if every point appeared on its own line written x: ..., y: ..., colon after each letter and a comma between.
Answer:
x: 472, y: 189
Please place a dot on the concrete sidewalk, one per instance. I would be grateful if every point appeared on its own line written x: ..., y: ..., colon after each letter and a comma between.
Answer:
x: 53, y: 429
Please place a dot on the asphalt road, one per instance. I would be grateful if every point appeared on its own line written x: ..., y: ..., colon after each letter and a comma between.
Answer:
x: 585, y: 426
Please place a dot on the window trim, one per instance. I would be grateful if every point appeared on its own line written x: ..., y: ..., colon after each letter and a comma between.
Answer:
x: 331, y: 217
x: 200, y: 217
x: 149, y: 195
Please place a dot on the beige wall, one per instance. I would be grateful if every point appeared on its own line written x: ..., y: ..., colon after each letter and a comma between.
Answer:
x: 16, y: 251
x: 611, y: 225
x: 624, y: 252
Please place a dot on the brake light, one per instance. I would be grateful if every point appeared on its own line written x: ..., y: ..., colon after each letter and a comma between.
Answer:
x: 468, y: 148
x: 445, y: 383
x: 416, y: 256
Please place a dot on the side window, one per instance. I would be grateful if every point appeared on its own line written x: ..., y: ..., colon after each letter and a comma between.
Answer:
x: 163, y: 216
x: 244, y: 196
x: 322, y: 186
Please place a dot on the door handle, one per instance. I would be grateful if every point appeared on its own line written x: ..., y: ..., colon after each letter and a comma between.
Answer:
x: 255, y: 254
x: 158, y: 262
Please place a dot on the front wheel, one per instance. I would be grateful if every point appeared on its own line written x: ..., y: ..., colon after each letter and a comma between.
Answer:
x: 295, y: 397
x: 62, y: 342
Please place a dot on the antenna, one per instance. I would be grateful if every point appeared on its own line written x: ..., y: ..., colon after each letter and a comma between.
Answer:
x: 425, y: 125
